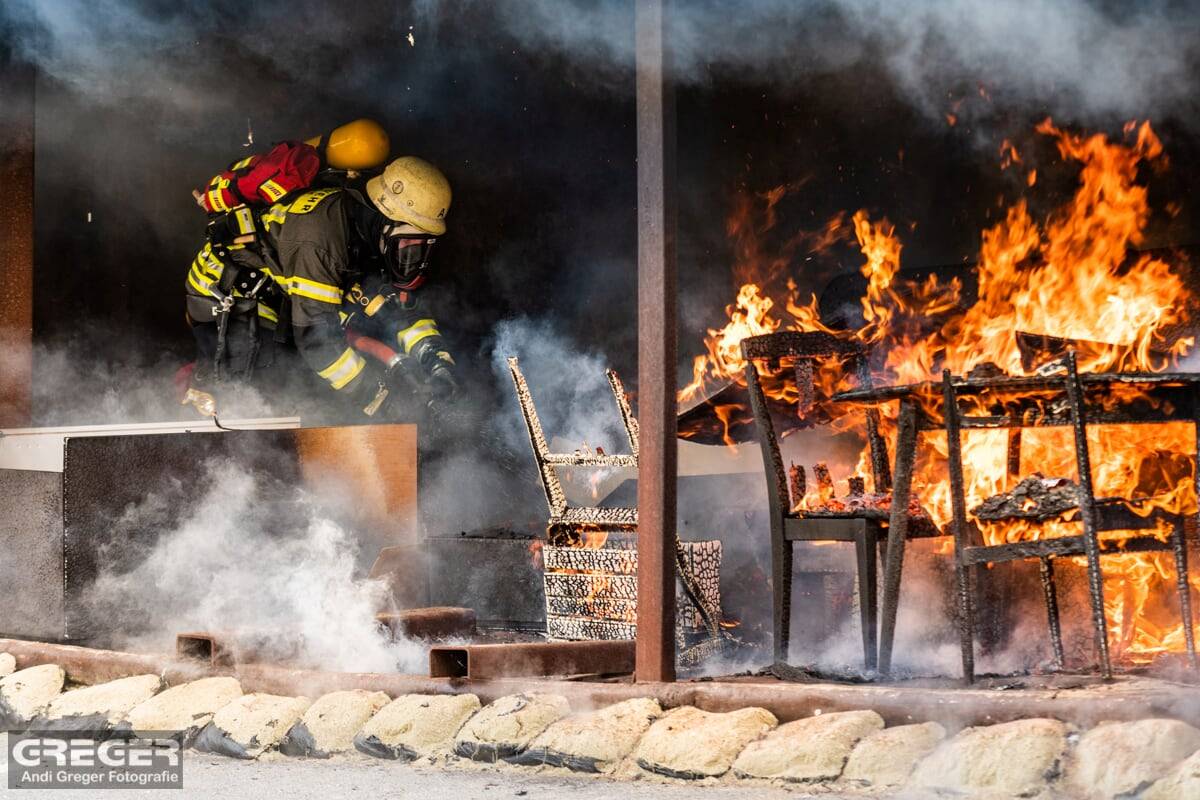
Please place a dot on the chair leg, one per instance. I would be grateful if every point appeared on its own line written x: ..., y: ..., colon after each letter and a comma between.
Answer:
x: 782, y: 592
x: 965, y: 619
x: 1051, y: 595
x: 1179, y: 542
x: 893, y: 565
x: 865, y: 546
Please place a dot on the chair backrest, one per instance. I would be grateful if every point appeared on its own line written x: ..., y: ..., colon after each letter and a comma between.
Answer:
x: 1077, y: 410
x: 804, y: 348
x: 561, y: 514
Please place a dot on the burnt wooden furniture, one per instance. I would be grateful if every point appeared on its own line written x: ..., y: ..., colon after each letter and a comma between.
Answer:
x: 864, y: 528
x: 1059, y: 397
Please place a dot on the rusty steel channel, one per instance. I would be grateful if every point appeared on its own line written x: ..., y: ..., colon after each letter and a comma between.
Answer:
x: 483, y: 661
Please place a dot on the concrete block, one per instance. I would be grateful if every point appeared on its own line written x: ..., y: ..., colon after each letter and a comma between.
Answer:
x: 1121, y: 758
x: 506, y: 727
x: 809, y: 750
x: 26, y: 693
x: 415, y: 725
x: 1012, y: 759
x: 689, y: 743
x: 187, y: 707
x: 251, y: 725
x: 329, y: 724
x: 99, y: 707
x: 596, y: 741
x: 886, y: 758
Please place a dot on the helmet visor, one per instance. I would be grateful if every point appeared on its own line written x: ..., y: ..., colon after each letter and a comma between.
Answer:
x: 406, y: 256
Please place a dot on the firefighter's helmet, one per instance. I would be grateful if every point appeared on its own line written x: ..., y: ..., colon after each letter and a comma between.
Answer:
x: 361, y: 144
x: 412, y: 191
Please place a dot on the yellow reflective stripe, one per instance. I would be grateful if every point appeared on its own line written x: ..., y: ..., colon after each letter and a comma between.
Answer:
x: 199, y: 284
x: 215, y: 201
x: 344, y: 370
x: 276, y: 214
x: 266, y: 313
x: 313, y: 290
x: 310, y: 200
x: 272, y: 190
x: 421, y: 329
x: 245, y: 162
x: 245, y: 220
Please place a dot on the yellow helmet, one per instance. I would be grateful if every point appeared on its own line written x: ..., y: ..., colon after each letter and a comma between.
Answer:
x: 361, y: 144
x: 413, y: 191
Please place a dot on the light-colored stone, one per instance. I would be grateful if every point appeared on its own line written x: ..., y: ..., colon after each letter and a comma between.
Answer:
x: 506, y: 727
x: 8, y: 664
x: 416, y: 725
x: 104, y: 703
x: 1181, y: 783
x: 329, y: 724
x: 595, y: 741
x: 186, y: 707
x: 887, y: 757
x: 251, y: 724
x: 1118, y: 758
x: 811, y: 749
x: 1013, y: 759
x: 690, y: 743
x: 26, y: 693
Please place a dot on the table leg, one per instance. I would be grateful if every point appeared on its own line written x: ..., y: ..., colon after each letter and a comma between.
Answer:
x: 906, y: 452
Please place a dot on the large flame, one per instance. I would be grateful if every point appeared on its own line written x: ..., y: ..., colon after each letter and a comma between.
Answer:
x: 1073, y: 275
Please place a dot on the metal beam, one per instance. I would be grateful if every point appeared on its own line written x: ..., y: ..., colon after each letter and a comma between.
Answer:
x: 656, y: 347
x: 16, y: 243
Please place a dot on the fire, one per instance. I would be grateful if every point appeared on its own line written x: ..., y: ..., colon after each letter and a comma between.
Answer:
x: 1073, y: 275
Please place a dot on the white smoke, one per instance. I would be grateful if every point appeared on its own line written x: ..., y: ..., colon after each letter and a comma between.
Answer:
x: 222, y: 569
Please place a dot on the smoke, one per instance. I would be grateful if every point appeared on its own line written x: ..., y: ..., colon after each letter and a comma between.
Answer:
x: 229, y: 567
x: 1078, y: 57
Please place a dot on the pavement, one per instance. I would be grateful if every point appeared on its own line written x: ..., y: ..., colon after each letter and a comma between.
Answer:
x: 353, y: 776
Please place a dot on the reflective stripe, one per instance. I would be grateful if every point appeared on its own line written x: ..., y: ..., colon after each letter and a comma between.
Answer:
x: 266, y: 313
x: 310, y: 200
x: 245, y: 162
x: 324, y: 292
x: 215, y: 201
x: 200, y: 284
x: 277, y: 214
x: 421, y: 329
x: 245, y: 220
x: 344, y: 370
x: 272, y: 190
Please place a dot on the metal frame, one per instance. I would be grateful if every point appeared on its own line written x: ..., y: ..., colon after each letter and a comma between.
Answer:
x: 788, y: 526
x: 1095, y: 517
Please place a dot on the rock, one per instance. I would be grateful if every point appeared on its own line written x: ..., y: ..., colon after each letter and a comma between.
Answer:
x: 812, y: 749
x: 1180, y: 783
x: 8, y: 664
x: 415, y: 725
x: 251, y: 725
x: 690, y: 743
x: 887, y: 757
x: 187, y: 707
x: 329, y: 725
x: 26, y: 693
x: 507, y: 726
x: 1013, y: 759
x: 98, y: 707
x: 593, y: 742
x: 1119, y: 758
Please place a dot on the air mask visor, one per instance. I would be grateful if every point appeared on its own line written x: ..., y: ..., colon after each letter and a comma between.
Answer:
x: 407, y: 257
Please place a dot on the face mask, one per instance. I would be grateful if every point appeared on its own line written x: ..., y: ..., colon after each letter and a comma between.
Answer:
x: 406, y: 256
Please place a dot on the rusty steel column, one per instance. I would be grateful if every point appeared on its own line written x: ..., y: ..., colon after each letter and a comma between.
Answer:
x: 16, y: 244
x: 656, y: 348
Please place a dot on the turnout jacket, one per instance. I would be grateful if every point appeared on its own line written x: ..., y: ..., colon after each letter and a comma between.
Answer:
x: 306, y: 245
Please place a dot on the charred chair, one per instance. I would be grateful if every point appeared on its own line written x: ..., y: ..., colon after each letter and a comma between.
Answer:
x: 865, y: 527
x: 1095, y: 514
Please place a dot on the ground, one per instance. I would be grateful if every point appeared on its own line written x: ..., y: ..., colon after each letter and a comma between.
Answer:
x: 349, y: 777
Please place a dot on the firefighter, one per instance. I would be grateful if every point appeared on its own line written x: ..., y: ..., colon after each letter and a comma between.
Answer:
x: 317, y: 249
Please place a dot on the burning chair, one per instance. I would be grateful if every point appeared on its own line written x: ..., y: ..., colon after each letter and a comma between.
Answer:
x: 860, y: 522
x: 1096, y: 514
x: 590, y: 560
